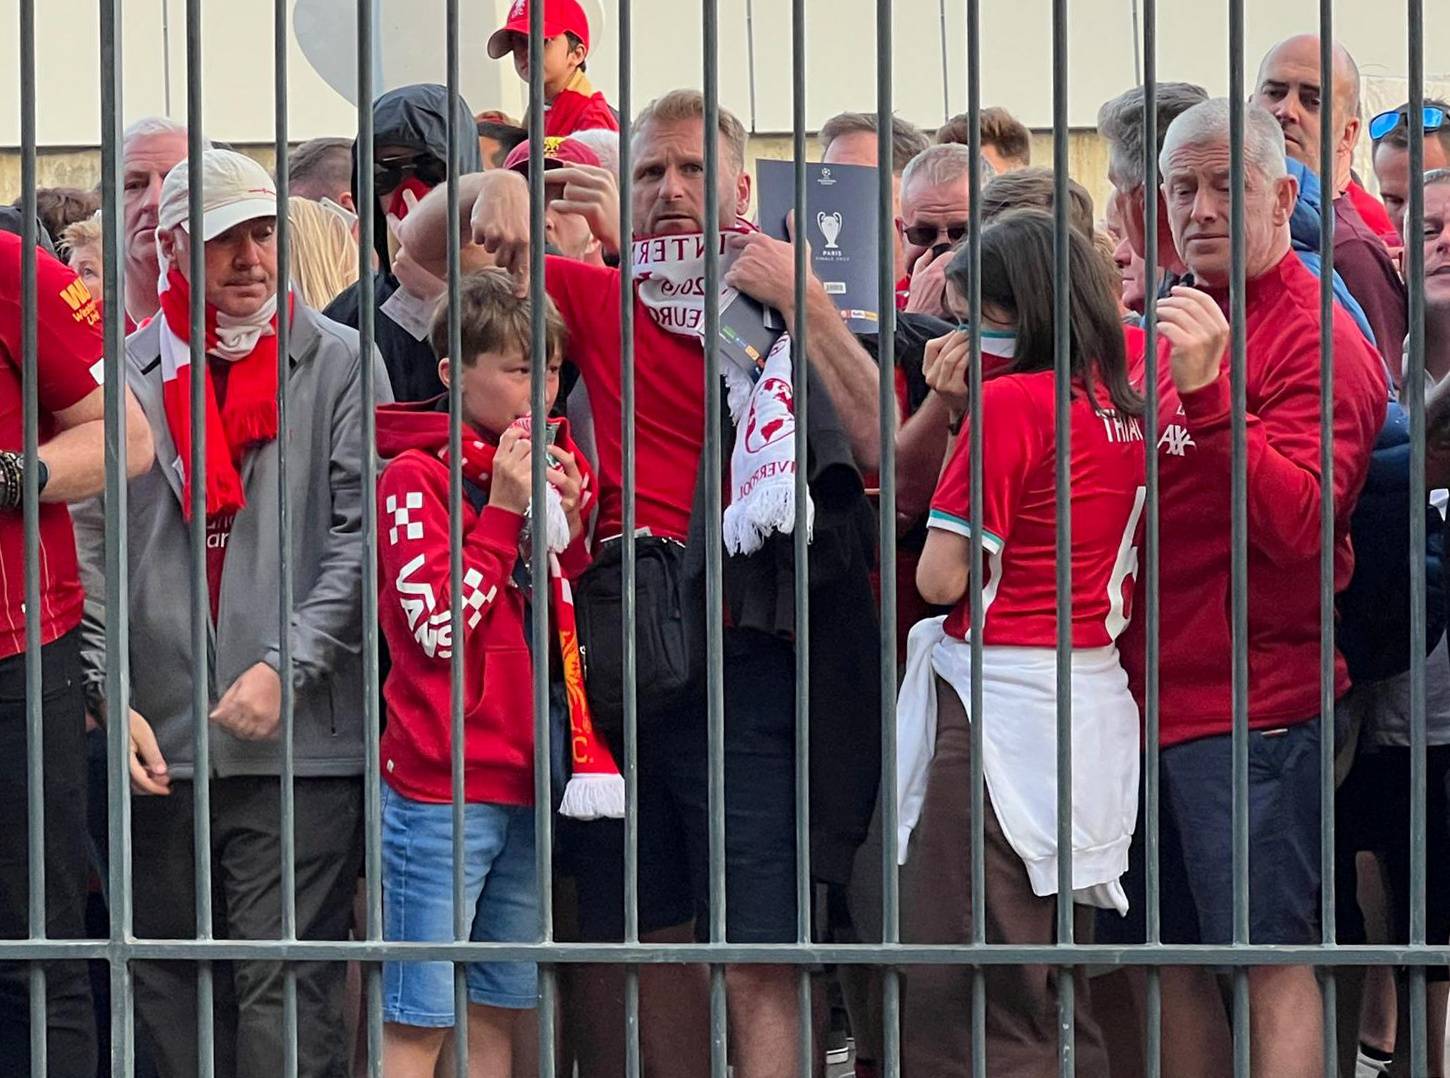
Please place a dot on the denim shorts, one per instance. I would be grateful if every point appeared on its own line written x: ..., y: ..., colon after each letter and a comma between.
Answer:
x: 499, y: 884
x: 1196, y: 835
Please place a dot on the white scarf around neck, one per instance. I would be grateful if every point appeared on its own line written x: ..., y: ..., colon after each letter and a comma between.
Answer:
x: 669, y: 274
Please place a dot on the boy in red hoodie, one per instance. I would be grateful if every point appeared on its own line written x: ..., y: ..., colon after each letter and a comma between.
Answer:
x: 571, y: 102
x: 414, y: 605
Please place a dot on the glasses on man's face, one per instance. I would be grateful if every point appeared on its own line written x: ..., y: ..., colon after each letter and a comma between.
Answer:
x: 389, y: 174
x: 1431, y: 119
x: 926, y: 235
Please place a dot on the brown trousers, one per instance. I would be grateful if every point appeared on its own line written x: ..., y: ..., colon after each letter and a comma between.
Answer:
x: 936, y: 890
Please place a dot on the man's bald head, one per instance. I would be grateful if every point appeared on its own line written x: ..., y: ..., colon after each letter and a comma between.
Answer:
x: 1290, y: 85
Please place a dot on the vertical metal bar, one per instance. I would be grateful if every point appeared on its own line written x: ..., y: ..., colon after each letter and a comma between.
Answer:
x: 750, y: 55
x: 719, y: 1029
x: 633, y: 1060
x: 946, y: 96
x: 462, y: 910
x: 201, y: 620
x: 372, y: 719
x: 1239, y: 539
x: 1326, y: 528
x: 1414, y: 383
x: 978, y: 610
x: 543, y: 826
x: 886, y: 351
x: 118, y: 612
x: 1062, y: 444
x: 290, y: 1032
x: 801, y: 537
x: 714, y: 585
x: 30, y: 513
x: 1150, y: 581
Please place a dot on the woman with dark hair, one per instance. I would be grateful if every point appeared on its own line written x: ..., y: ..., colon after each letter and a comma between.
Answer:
x: 1018, y: 529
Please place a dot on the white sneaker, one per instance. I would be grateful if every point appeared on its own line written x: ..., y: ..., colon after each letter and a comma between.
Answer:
x: 1364, y: 1067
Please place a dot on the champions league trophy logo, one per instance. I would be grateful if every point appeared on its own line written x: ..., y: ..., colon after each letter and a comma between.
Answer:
x: 830, y: 226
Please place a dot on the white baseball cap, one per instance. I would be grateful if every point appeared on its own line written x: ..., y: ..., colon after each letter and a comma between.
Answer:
x: 234, y: 188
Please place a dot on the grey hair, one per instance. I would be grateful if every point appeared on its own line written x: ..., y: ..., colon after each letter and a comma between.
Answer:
x: 604, y: 143
x: 1120, y: 123
x: 1437, y: 176
x: 1209, y: 121
x: 155, y: 125
x: 943, y: 163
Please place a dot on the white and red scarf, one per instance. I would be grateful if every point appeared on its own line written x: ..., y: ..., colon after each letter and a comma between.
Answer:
x: 595, y: 789
x: 669, y: 274
x: 249, y: 415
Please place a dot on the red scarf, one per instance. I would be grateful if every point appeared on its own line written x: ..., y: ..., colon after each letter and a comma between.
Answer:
x: 595, y: 787
x: 248, y: 418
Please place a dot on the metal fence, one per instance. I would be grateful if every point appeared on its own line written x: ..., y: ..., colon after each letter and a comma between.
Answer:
x: 123, y: 947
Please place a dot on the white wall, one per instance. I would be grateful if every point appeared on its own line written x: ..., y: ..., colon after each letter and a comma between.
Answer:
x: 841, y: 50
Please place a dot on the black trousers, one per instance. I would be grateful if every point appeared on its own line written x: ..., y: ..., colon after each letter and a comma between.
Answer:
x: 246, y: 865
x: 70, y: 1019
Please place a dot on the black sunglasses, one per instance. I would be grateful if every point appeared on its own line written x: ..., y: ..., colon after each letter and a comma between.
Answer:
x: 925, y: 235
x: 389, y: 175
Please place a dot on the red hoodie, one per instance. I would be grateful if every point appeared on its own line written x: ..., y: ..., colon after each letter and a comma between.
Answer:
x: 1284, y: 492
x: 413, y: 610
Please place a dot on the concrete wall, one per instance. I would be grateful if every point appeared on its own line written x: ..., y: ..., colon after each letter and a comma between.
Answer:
x: 82, y: 167
x: 754, y: 57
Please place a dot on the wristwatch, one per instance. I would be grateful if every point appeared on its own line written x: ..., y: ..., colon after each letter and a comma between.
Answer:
x: 42, y: 473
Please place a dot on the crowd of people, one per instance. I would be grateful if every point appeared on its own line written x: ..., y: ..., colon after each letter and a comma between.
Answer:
x: 422, y: 367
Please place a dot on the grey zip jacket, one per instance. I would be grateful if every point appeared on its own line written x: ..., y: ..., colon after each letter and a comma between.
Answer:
x: 324, y: 477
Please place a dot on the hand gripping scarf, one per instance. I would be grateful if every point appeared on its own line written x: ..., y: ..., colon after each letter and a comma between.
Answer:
x: 595, y: 788
x: 669, y: 272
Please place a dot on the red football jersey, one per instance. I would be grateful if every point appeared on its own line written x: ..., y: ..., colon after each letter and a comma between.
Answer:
x: 1019, y: 515
x: 68, y: 368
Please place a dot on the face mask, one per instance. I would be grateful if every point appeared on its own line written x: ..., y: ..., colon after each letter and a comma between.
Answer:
x: 1001, y: 343
x: 398, y: 207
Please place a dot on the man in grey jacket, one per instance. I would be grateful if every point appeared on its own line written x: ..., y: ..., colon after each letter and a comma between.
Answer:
x: 323, y: 443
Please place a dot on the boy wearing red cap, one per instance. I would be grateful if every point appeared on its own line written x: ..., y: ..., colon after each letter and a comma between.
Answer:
x: 570, y: 101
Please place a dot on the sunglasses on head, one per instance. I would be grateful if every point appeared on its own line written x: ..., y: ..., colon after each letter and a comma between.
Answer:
x: 925, y: 235
x: 1432, y: 119
x: 389, y: 174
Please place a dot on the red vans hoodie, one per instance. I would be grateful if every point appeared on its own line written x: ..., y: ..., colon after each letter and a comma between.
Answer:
x: 413, y: 610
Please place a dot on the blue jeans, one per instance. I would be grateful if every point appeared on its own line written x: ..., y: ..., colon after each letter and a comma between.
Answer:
x: 499, y: 885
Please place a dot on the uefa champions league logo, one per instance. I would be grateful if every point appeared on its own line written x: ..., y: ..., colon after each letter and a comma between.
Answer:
x: 830, y: 226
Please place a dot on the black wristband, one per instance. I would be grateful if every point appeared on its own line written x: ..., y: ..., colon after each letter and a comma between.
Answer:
x: 42, y: 473
x: 12, y: 479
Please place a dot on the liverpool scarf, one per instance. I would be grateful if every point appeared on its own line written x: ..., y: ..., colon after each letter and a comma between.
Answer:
x: 595, y: 788
x: 669, y: 272
x: 249, y: 415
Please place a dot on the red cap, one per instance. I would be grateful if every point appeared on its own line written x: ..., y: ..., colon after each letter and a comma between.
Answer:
x: 558, y: 152
x: 560, y: 16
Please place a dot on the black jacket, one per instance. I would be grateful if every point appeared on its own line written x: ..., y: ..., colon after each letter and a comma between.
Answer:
x: 416, y: 118
x: 845, y: 648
